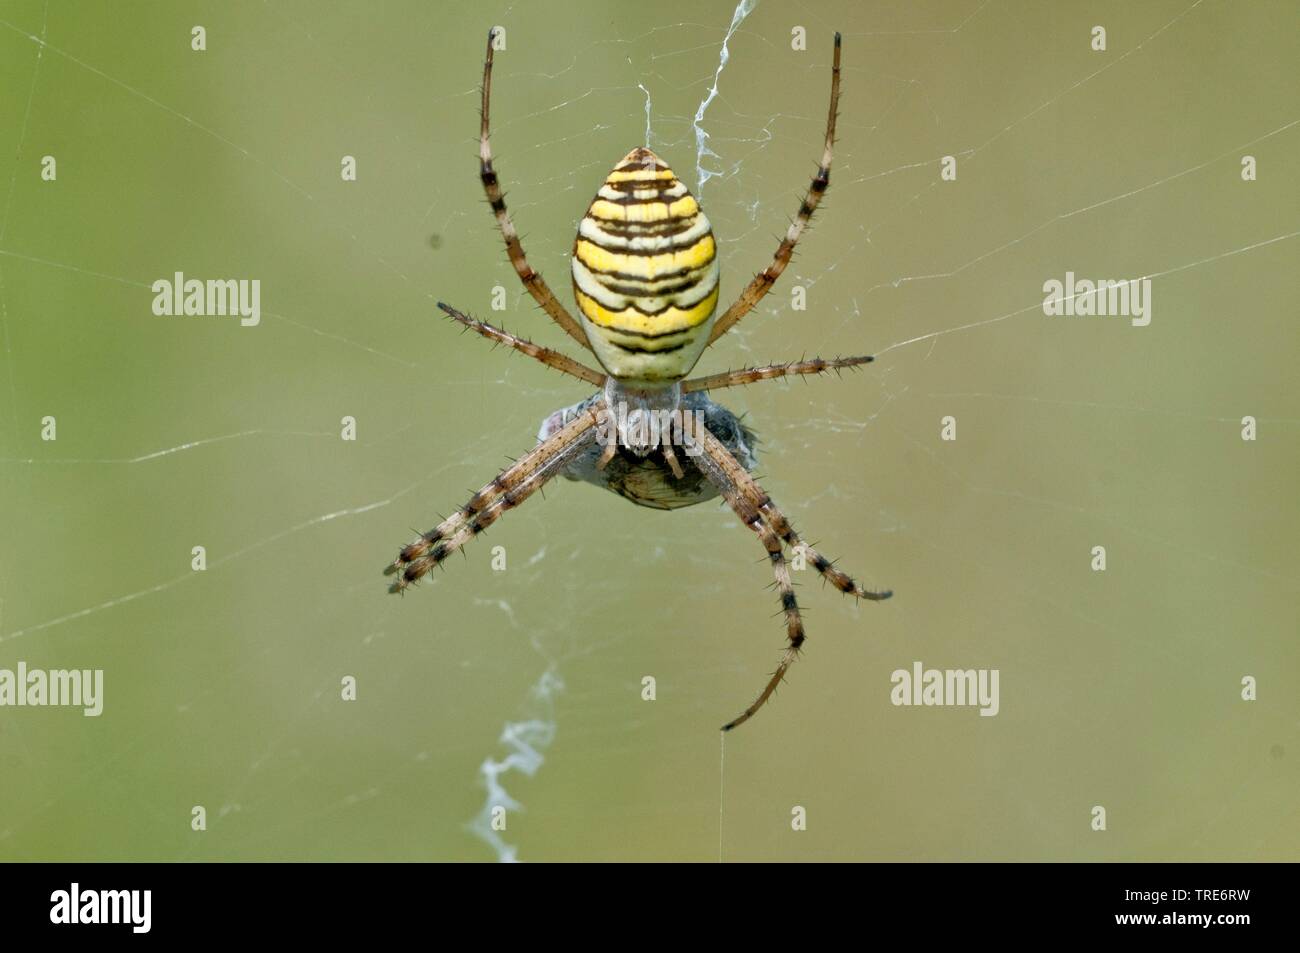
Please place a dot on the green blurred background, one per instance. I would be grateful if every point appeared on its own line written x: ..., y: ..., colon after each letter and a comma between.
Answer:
x: 1119, y: 689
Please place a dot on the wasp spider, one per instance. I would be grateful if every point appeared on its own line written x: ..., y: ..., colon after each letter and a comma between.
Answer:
x: 645, y: 276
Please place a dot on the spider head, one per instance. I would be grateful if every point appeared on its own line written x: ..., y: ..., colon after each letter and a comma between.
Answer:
x: 645, y: 273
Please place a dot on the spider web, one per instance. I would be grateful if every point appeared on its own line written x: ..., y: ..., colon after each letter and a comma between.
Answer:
x: 523, y: 688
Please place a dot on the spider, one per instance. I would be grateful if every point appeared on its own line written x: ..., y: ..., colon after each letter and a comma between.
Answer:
x: 645, y: 277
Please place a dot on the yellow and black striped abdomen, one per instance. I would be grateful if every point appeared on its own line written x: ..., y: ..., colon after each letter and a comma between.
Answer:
x: 645, y: 273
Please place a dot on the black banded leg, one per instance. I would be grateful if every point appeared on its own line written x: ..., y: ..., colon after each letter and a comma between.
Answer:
x: 532, y: 281
x: 551, y: 358
x: 764, y: 280
x: 560, y: 447
x: 751, y: 375
x: 780, y: 570
x: 760, y: 501
x: 417, y: 568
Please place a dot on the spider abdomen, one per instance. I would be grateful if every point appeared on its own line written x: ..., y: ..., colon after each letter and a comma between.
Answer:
x: 645, y: 273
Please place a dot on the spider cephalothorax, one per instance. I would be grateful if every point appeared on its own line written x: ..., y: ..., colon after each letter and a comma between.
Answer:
x: 645, y: 276
x: 639, y: 470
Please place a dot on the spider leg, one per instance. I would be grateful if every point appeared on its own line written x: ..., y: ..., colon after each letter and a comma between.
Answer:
x: 763, y: 281
x: 751, y: 517
x: 505, y: 491
x: 751, y: 375
x: 532, y: 281
x: 551, y: 358
x: 418, y: 568
x: 670, y: 457
x: 758, y: 498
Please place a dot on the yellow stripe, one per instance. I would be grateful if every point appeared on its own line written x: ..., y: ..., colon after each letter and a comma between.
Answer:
x: 633, y: 322
x: 684, y: 207
x: 645, y: 266
x: 640, y: 175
